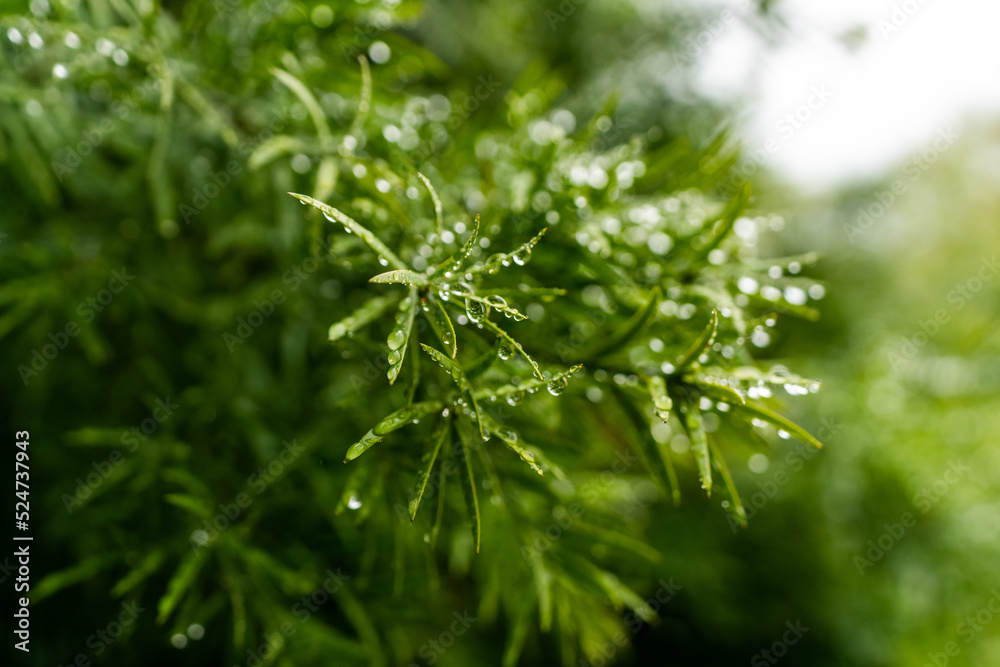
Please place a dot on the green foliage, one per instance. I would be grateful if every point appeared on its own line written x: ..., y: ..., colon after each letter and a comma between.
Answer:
x: 558, y: 274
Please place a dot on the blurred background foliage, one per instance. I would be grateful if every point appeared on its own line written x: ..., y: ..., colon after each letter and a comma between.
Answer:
x: 104, y: 170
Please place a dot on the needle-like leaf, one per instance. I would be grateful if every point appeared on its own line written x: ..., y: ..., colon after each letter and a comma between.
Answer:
x: 400, y: 334
x: 392, y: 422
x: 353, y: 226
x: 467, y: 443
x: 437, y: 315
x: 777, y: 420
x: 401, y: 277
x: 510, y: 438
x: 429, y: 460
x: 738, y: 509
x: 438, y: 222
x: 456, y: 373
x: 702, y: 343
x: 360, y: 317
x: 690, y: 417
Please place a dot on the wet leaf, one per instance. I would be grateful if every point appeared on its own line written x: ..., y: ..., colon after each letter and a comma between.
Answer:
x: 438, y: 223
x: 456, y: 373
x: 518, y: 257
x: 716, y: 387
x: 467, y: 444
x: 662, y: 403
x: 527, y: 385
x: 777, y: 420
x: 734, y: 494
x: 513, y: 441
x: 454, y: 263
x: 517, y: 346
x: 690, y: 417
x: 429, y: 460
x: 351, y: 225
x: 400, y: 334
x: 368, y: 312
x: 392, y: 422
x: 401, y: 277
x: 702, y: 343
x: 438, y: 317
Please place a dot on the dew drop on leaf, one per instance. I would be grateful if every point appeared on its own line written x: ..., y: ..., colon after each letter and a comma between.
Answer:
x: 497, y: 301
x: 396, y: 339
x: 506, y: 350
x: 558, y: 386
x: 475, y: 310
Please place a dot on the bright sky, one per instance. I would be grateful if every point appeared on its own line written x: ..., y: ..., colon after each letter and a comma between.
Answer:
x: 921, y: 67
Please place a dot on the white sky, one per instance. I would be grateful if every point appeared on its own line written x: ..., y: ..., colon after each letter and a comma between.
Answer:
x: 891, y: 94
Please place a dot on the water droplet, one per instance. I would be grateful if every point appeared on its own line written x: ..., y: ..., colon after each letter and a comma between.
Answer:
x: 497, y: 301
x: 529, y: 456
x: 396, y: 339
x: 395, y: 357
x: 506, y: 350
x: 557, y: 386
x: 476, y: 310
x: 521, y: 256
x: 354, y: 502
x: 513, y: 399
